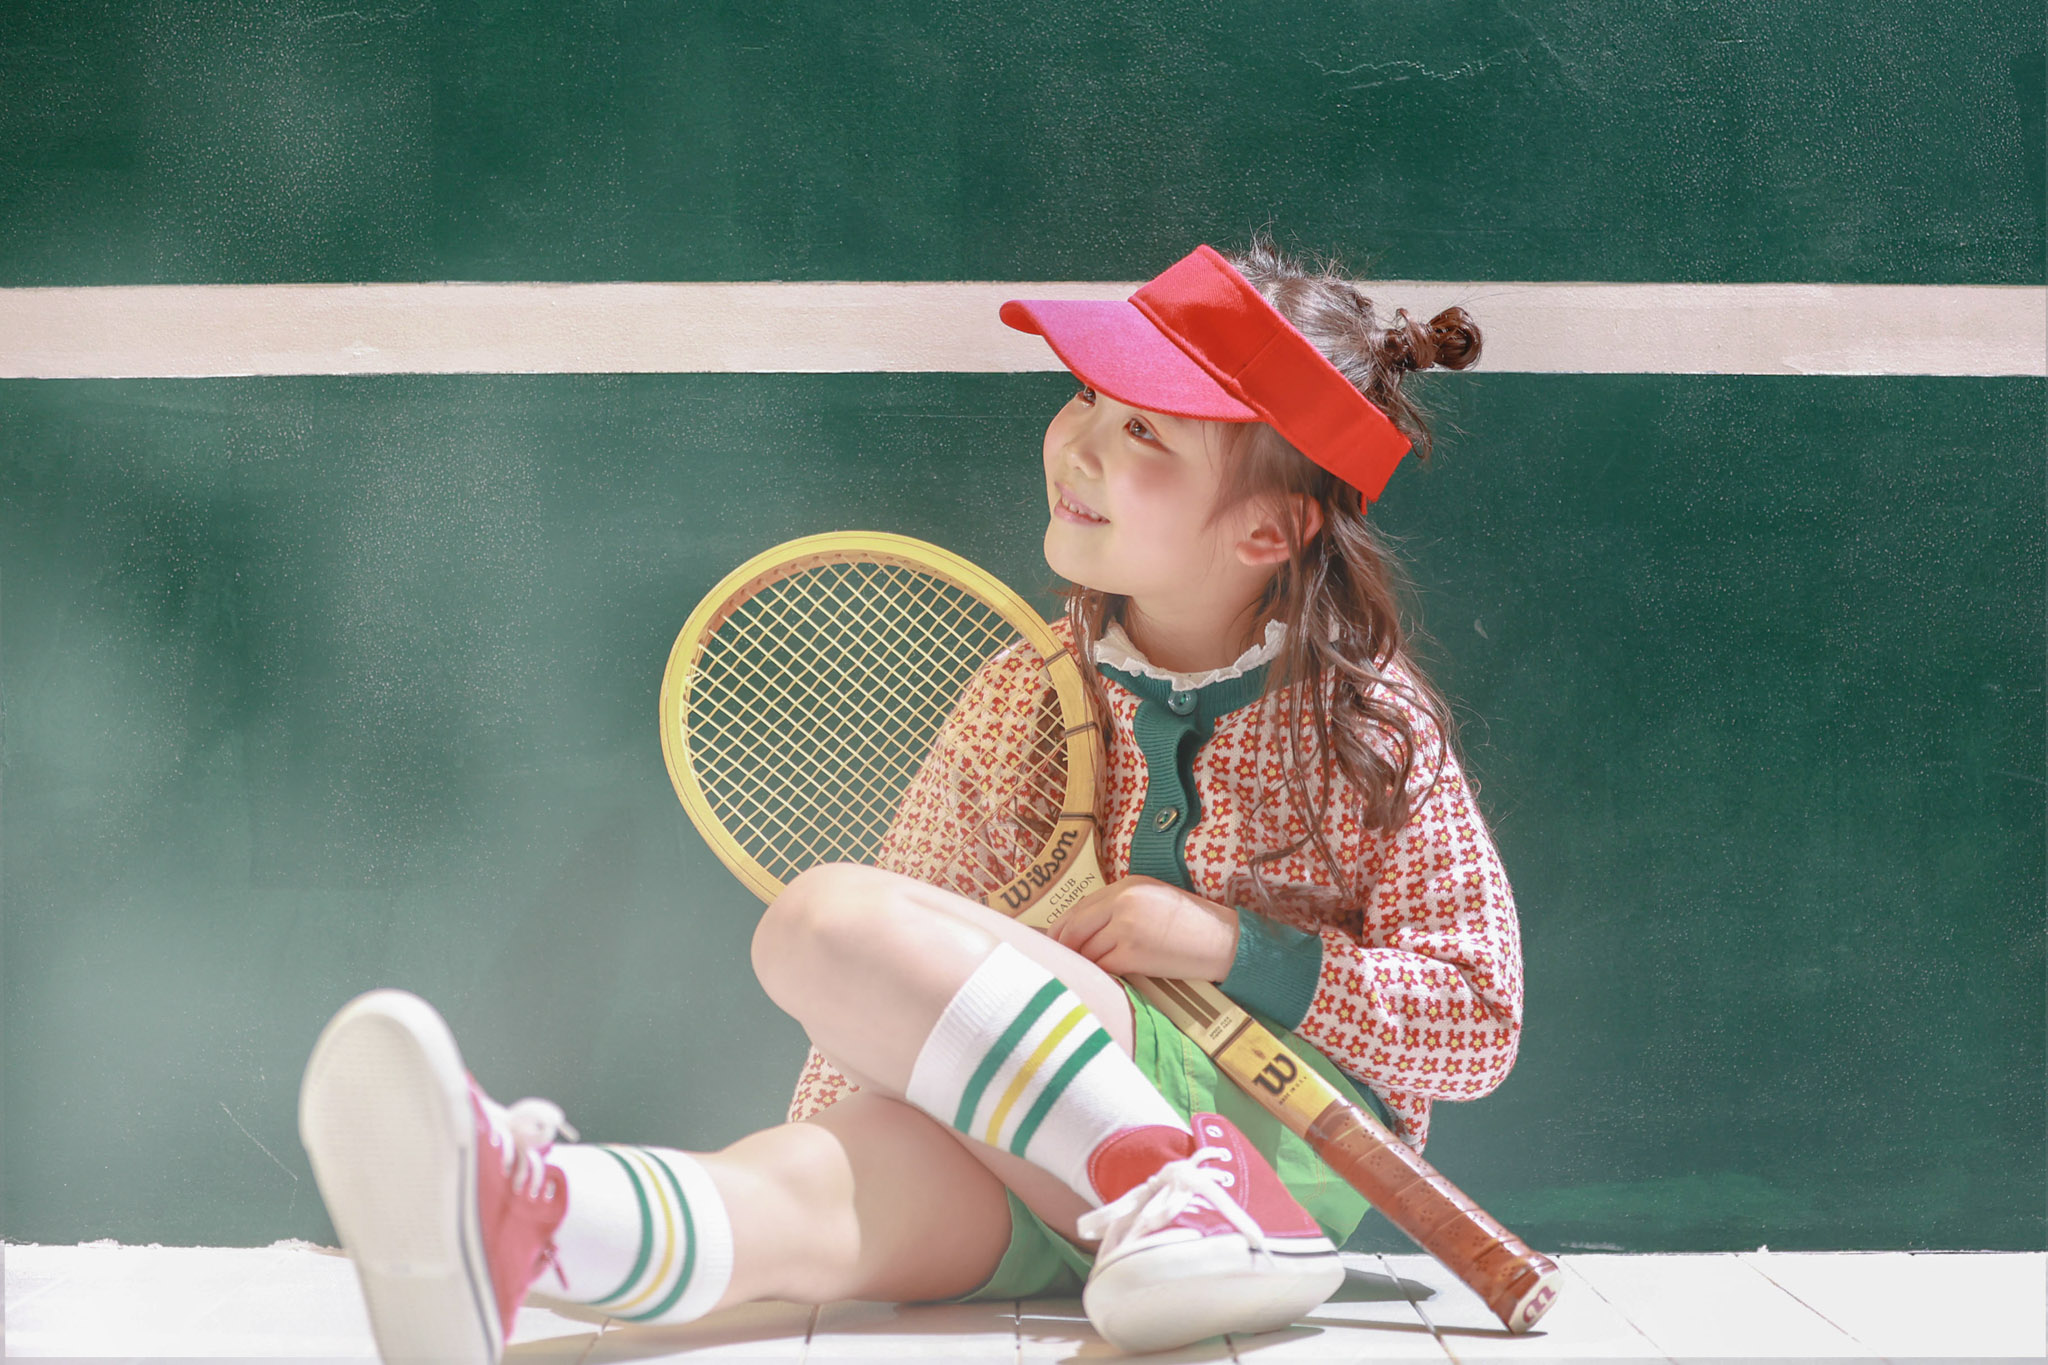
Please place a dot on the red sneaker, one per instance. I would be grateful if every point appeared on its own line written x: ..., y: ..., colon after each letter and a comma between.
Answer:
x: 1209, y: 1242
x: 442, y: 1197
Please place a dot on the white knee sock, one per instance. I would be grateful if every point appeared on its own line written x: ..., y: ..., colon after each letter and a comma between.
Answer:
x: 1017, y: 1061
x: 646, y: 1237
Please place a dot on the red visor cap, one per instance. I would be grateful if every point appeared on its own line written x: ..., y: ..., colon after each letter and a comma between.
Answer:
x: 1113, y: 348
x: 1200, y: 341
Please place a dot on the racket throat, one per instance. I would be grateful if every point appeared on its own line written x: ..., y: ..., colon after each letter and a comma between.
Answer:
x: 1058, y: 878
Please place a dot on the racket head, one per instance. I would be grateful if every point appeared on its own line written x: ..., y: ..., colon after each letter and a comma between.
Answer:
x: 804, y: 694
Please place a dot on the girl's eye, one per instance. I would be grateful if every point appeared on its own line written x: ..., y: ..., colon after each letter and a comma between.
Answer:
x: 1085, y: 396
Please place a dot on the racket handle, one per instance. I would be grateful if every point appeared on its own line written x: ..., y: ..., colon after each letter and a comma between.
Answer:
x: 1518, y: 1284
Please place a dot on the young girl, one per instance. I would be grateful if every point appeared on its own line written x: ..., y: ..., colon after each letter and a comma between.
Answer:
x: 988, y: 1112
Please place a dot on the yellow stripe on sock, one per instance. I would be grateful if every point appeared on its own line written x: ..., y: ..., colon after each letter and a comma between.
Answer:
x: 668, y: 1244
x: 1030, y: 1069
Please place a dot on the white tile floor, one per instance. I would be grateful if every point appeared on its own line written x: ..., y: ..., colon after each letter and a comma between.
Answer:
x: 292, y: 1302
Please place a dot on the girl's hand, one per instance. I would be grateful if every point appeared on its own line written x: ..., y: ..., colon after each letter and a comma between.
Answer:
x: 1141, y: 926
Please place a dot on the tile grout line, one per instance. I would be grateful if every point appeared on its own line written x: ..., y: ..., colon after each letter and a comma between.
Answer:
x: 602, y: 1328
x: 1415, y: 1305
x: 810, y: 1331
x: 1744, y: 1258
x: 42, y: 1289
x: 1633, y: 1325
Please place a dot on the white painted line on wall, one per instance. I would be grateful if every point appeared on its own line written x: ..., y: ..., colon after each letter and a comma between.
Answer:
x: 192, y: 331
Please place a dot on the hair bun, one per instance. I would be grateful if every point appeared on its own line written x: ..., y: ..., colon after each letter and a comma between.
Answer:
x: 1450, y: 339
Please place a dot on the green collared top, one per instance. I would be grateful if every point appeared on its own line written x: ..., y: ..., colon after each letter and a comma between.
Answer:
x: 1277, y: 967
x: 1171, y: 727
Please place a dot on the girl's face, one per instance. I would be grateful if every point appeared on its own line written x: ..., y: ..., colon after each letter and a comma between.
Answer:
x: 1130, y: 494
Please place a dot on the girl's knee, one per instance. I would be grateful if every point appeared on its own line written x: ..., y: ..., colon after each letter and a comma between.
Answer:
x: 814, y: 922
x: 843, y: 940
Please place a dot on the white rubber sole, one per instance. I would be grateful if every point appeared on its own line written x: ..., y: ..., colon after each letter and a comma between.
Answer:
x: 384, y: 1115
x: 1171, y: 1294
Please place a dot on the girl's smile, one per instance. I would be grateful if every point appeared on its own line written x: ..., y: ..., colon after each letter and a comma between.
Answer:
x: 1069, y: 508
x: 1129, y: 492
x: 1132, y: 499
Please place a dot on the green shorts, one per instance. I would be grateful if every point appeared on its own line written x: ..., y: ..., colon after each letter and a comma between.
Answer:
x: 1042, y: 1264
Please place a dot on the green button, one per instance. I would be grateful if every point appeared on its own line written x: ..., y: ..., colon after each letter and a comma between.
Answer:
x: 1167, y: 818
x: 1181, y: 703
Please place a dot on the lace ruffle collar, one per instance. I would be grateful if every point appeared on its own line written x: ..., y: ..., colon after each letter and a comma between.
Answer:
x: 1116, y: 650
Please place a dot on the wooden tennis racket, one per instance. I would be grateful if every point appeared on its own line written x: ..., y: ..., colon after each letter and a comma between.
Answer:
x: 802, y: 711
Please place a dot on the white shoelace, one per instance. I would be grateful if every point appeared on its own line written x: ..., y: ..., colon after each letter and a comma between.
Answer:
x: 1146, y: 1208
x: 526, y: 1130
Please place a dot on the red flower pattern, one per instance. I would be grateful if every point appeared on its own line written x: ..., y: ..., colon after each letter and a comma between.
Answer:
x: 1429, y: 932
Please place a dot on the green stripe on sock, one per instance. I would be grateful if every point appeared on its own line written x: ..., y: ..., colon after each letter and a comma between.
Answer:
x: 646, y: 1229
x: 689, y: 1247
x: 993, y: 1062
x: 1069, y: 1069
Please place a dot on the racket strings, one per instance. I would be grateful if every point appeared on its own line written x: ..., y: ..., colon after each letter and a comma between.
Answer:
x: 806, y: 666
x: 814, y: 706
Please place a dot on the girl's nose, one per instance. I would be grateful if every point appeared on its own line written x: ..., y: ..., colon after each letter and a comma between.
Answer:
x: 1081, y: 458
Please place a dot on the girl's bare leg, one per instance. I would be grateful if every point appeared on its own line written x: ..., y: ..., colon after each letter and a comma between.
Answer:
x: 873, y: 1198
x: 869, y: 1200
x: 867, y: 960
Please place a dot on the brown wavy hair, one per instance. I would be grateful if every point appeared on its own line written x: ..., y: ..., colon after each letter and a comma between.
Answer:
x: 1341, y: 592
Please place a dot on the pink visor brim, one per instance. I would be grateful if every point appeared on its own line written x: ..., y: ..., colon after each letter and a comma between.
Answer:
x: 1114, y: 349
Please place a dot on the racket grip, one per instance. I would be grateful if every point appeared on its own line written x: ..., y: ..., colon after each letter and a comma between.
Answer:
x: 1518, y: 1284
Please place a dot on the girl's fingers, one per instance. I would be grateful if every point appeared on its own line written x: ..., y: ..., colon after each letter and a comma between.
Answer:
x: 1089, y: 914
x: 1099, y: 944
x: 1117, y: 961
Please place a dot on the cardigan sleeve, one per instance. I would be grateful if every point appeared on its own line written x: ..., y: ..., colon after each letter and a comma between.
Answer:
x: 1425, y: 1003
x: 972, y: 815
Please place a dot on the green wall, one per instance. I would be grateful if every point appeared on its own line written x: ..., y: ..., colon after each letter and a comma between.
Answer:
x: 264, y: 140
x: 312, y: 684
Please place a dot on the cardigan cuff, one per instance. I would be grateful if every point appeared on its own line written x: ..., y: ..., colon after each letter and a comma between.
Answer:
x: 1276, y: 969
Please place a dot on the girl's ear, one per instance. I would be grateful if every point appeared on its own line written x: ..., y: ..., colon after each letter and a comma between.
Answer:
x: 1265, y: 542
x: 1311, y: 513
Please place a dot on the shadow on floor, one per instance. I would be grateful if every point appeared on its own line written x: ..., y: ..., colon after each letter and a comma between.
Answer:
x: 1370, y: 1286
